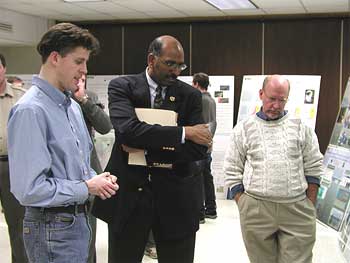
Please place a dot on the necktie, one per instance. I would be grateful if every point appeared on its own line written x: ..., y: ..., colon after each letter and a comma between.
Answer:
x: 158, y: 100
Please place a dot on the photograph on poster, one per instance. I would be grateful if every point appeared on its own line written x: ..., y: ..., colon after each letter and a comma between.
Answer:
x: 309, y: 96
x: 335, y: 218
x: 224, y: 87
x: 218, y: 94
x: 223, y: 100
x: 343, y: 195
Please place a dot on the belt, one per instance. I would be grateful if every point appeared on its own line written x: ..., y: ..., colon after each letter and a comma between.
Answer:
x: 71, y: 209
x: 4, y: 158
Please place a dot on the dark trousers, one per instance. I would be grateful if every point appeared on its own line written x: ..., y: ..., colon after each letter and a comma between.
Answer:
x: 14, y: 214
x: 129, y: 245
x: 208, y: 193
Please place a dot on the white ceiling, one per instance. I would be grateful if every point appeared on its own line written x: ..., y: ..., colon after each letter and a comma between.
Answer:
x: 160, y: 9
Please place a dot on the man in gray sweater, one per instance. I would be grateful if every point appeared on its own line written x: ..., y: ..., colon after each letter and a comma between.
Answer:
x: 201, y: 82
x: 273, y: 167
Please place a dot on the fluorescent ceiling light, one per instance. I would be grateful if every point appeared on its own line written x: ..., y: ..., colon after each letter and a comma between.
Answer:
x: 79, y: 1
x: 231, y: 4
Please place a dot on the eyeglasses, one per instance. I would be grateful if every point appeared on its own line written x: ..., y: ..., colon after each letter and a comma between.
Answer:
x: 173, y: 64
x: 274, y: 100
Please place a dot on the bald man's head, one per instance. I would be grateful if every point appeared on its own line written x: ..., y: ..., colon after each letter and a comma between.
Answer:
x: 165, y: 60
x: 274, y: 95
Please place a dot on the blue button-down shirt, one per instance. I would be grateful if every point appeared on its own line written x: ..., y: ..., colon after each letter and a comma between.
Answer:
x: 49, y: 148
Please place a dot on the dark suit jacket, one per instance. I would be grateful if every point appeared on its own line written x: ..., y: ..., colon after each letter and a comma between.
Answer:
x: 175, y: 190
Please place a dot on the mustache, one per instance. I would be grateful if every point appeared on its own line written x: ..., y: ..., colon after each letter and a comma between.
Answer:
x: 172, y: 76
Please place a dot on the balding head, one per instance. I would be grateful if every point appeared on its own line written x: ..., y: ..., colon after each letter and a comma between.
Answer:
x: 157, y: 45
x: 165, y: 60
x: 276, y: 80
x: 274, y: 95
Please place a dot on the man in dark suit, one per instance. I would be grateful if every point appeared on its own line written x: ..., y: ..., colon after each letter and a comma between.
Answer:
x: 153, y: 197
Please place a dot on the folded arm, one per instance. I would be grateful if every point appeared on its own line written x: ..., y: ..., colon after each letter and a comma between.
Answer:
x: 160, y: 142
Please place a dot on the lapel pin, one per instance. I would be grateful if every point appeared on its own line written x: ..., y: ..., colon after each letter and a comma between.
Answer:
x: 172, y: 98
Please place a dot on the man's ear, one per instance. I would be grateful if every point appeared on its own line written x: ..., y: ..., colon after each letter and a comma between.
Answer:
x: 261, y: 93
x: 151, y: 60
x: 54, y: 57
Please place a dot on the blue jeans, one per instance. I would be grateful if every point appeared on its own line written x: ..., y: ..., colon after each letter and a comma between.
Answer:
x: 51, y: 237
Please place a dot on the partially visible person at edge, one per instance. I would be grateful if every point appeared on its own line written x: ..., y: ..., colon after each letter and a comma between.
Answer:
x: 96, y: 119
x: 13, y: 211
x: 273, y: 166
x: 208, y: 205
x: 164, y: 195
x: 50, y: 171
x: 15, y: 81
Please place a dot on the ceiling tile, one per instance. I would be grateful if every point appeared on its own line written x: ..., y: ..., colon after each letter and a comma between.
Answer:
x: 186, y: 4
x: 324, y: 2
x: 327, y: 8
x: 280, y: 11
x: 165, y: 14
x: 264, y: 4
x: 244, y: 12
x: 105, y: 7
x: 202, y: 13
x: 132, y: 15
x: 143, y: 6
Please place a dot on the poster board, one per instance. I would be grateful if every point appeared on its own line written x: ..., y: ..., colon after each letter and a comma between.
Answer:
x: 332, y: 204
x: 302, y: 101
x: 222, y: 91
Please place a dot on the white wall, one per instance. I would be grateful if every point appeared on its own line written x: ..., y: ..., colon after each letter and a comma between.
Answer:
x: 26, y: 29
x: 21, y: 60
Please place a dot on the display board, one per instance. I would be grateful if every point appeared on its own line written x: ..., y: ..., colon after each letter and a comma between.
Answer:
x: 302, y: 101
x: 334, y: 193
x: 222, y: 90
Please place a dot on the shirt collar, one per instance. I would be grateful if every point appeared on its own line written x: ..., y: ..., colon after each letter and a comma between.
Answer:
x: 151, y: 83
x: 8, y: 90
x: 263, y: 116
x: 59, y: 97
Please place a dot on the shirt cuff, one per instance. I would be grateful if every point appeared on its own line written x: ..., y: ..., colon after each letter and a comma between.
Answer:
x: 183, y: 135
x: 235, y: 190
x: 82, y: 192
x: 313, y: 180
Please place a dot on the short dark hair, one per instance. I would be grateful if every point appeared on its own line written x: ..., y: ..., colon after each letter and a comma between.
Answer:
x: 156, y: 47
x: 202, y: 79
x: 3, y: 60
x: 63, y: 38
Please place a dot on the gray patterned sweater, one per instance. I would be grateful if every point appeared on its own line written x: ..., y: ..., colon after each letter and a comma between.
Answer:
x: 272, y: 159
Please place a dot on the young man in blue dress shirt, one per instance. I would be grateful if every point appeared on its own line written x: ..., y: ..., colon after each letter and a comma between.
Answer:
x: 50, y: 171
